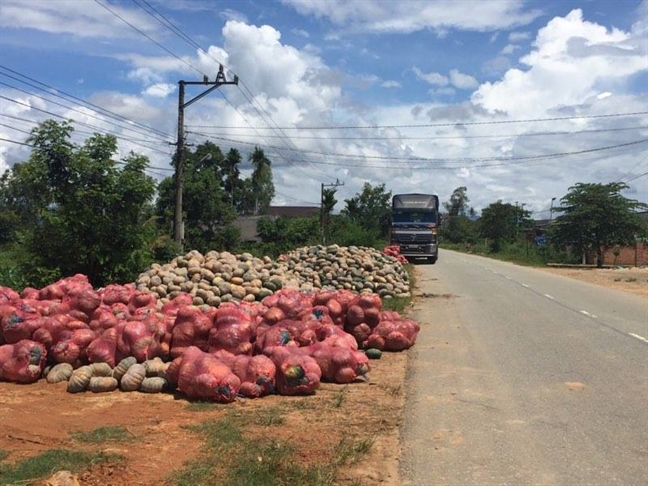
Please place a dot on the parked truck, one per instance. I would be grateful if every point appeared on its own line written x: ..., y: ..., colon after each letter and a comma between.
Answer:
x: 415, y: 225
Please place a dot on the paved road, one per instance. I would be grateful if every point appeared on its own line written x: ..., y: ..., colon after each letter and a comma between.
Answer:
x: 521, y: 377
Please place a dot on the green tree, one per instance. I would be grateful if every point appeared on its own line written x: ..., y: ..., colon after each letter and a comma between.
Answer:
x: 459, y: 227
x: 231, y: 180
x: 283, y: 234
x: 597, y: 217
x: 207, y: 210
x: 501, y: 223
x: 83, y: 214
x: 458, y: 203
x: 262, y: 185
x: 370, y: 209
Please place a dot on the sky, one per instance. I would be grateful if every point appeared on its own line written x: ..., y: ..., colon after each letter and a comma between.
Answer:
x: 516, y: 100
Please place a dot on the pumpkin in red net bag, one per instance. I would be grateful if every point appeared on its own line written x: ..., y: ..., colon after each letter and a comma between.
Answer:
x: 22, y: 362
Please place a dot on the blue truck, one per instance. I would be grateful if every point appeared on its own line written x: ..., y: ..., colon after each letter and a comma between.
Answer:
x: 415, y: 225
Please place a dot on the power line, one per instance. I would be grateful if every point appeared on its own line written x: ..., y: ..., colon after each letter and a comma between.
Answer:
x: 432, y: 125
x: 442, y: 137
x: 263, y: 114
x: 148, y: 37
x: 424, y: 159
x: 154, y: 170
x: 89, y: 115
x: 637, y: 177
x: 503, y: 161
x: 36, y: 122
x: 101, y: 109
x: 15, y: 141
x: 100, y: 130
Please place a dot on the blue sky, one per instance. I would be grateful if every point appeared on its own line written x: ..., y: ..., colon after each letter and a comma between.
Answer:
x: 431, y: 95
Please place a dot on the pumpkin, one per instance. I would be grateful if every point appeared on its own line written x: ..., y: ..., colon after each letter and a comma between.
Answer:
x: 99, y: 384
x: 373, y: 353
x: 59, y: 372
x: 155, y: 367
x: 79, y: 379
x: 153, y: 384
x: 133, y: 377
x: 122, y: 367
x: 101, y: 369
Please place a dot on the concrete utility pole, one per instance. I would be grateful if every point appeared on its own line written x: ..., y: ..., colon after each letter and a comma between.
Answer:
x: 178, y: 227
x: 334, y: 184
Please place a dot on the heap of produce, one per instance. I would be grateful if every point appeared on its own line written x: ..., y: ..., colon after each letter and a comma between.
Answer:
x: 223, y: 277
x: 269, y: 336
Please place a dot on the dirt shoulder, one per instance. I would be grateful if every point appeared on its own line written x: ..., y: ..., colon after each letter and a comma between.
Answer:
x: 633, y: 280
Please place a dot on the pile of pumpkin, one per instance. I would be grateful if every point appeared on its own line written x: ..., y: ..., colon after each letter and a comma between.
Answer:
x: 218, y: 277
x: 122, y: 337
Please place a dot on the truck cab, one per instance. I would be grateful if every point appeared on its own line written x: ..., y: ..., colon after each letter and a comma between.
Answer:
x: 415, y: 224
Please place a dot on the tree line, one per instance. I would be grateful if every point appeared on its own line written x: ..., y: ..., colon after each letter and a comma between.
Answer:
x: 590, y: 219
x: 77, y: 209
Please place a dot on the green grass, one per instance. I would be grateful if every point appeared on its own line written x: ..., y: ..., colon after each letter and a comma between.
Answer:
x: 201, y: 406
x: 115, y: 433
x: 232, y: 458
x: 3, y: 454
x: 339, y: 397
x: 518, y: 252
x: 49, y: 462
x: 350, y: 452
x: 271, y: 416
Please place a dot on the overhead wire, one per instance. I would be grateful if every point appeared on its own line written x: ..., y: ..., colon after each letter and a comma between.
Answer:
x: 60, y: 93
x: 75, y: 110
x: 263, y: 114
x: 425, y: 159
x: 92, y: 127
x: 521, y: 161
x: 148, y: 37
x: 444, y: 137
x: 435, y: 125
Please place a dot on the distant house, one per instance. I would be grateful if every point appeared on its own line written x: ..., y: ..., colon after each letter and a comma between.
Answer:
x: 247, y: 225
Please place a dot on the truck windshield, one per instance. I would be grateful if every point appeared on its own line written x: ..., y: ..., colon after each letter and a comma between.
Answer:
x: 414, y: 217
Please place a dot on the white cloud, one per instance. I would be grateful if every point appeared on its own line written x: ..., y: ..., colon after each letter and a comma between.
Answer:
x: 519, y: 36
x: 415, y: 15
x: 435, y: 79
x: 462, y: 81
x: 442, y: 92
x: 571, y: 57
x: 496, y: 66
x: 76, y: 18
x: 300, y: 33
x: 159, y: 90
x: 230, y: 14
x: 509, y: 49
x: 390, y: 84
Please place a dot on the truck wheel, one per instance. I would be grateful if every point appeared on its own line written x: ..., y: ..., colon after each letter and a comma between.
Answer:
x: 432, y: 260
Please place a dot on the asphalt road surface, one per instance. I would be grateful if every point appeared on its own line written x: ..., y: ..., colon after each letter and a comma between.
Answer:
x: 521, y: 377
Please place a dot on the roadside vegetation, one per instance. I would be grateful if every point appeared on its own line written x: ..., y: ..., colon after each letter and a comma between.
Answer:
x: 232, y: 455
x: 28, y: 471
x: 590, y: 219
